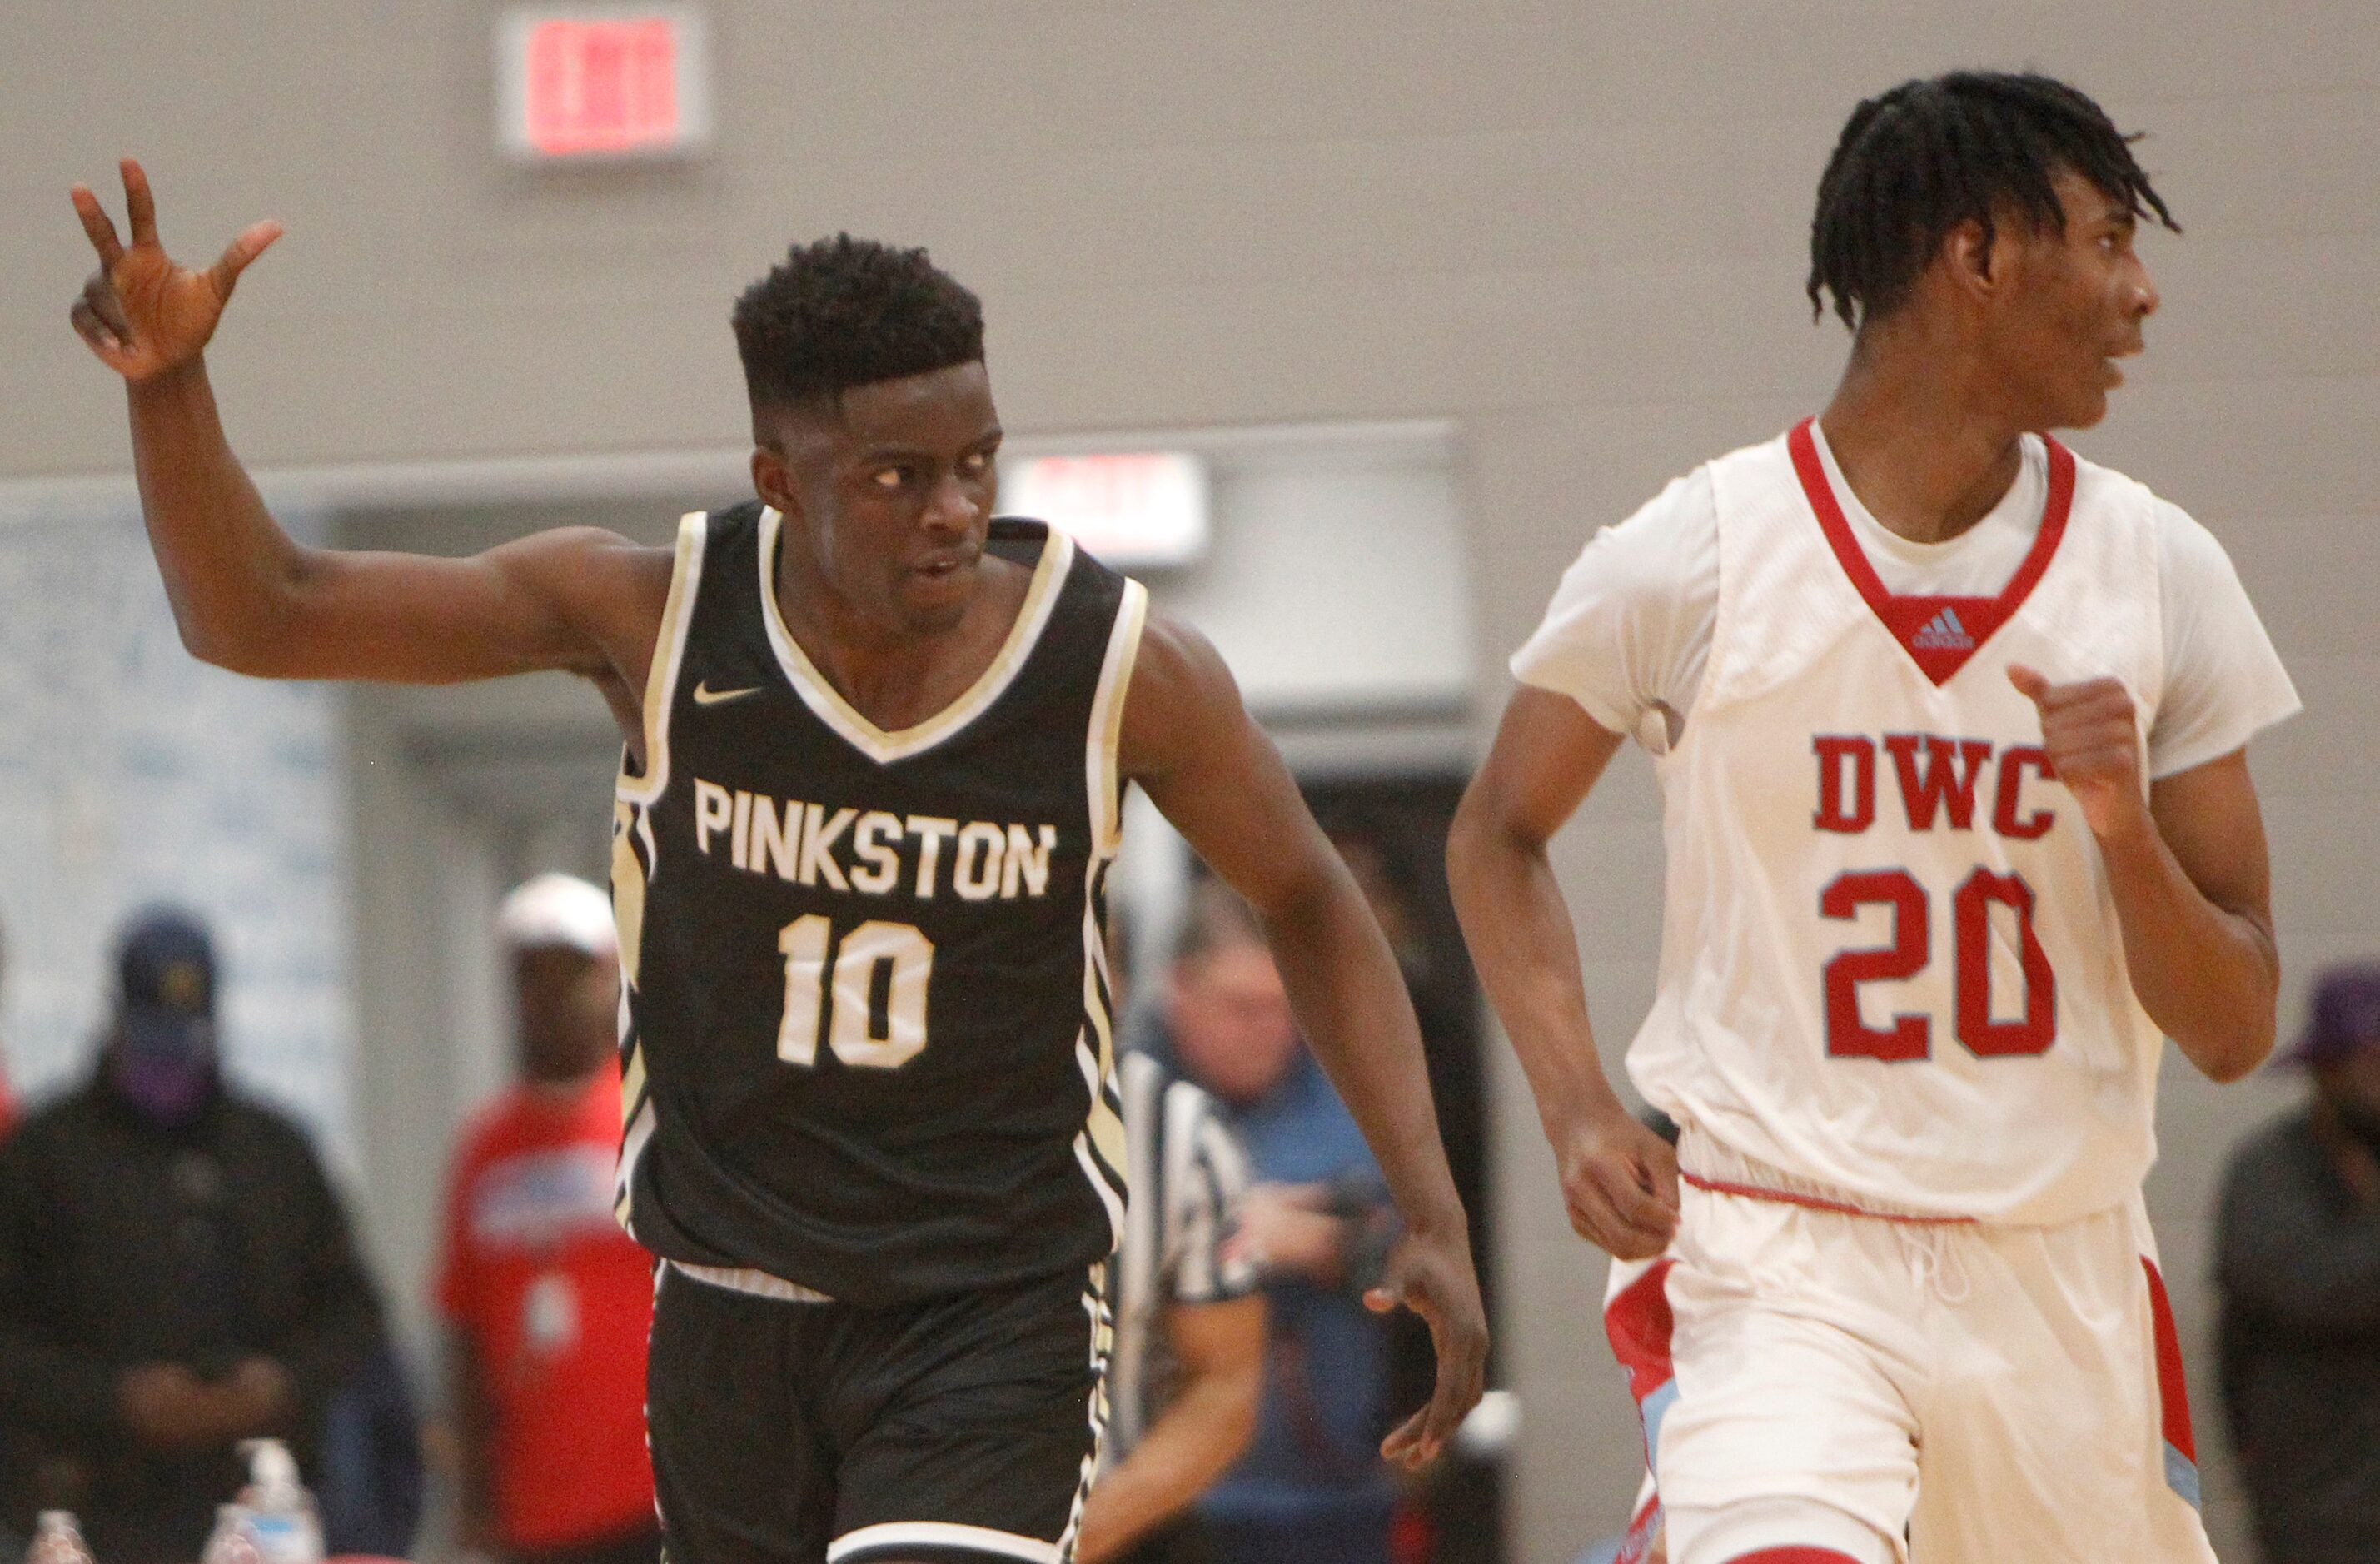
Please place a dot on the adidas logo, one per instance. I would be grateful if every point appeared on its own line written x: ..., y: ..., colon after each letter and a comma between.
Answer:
x: 1944, y: 632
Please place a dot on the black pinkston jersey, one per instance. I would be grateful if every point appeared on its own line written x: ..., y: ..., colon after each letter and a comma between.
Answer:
x: 865, y: 1029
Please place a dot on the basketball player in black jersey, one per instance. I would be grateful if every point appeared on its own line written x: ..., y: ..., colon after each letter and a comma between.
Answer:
x: 874, y: 749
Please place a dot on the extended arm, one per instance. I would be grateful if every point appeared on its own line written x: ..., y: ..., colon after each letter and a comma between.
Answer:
x: 2187, y: 865
x: 249, y: 598
x: 1203, y: 762
x: 1203, y: 1429
x: 1620, y: 1180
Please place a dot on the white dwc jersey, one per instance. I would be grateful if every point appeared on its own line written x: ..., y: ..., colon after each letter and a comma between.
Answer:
x: 1891, y: 963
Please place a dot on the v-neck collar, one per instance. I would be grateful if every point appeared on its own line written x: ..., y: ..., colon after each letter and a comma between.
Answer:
x: 1939, y: 632
x: 827, y: 702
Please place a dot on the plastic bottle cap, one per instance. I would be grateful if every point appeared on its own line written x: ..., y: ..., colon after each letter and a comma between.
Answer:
x: 271, y: 1466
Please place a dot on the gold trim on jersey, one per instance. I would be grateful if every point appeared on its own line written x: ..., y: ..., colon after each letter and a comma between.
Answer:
x: 627, y: 889
x: 669, y: 656
x: 1101, y: 1147
x: 1099, y: 1305
x: 1107, y: 717
x: 827, y: 702
x: 632, y: 1086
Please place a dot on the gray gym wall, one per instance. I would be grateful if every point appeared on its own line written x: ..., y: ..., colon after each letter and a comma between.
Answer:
x: 1571, y: 231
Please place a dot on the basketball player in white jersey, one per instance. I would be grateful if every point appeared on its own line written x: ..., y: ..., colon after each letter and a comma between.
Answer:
x: 1951, y: 730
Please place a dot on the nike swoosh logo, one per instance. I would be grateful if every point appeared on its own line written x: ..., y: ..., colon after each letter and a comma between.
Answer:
x: 705, y: 695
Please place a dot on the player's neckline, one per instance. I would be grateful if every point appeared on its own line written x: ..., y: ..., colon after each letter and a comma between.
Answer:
x: 1939, y: 632
x: 880, y: 745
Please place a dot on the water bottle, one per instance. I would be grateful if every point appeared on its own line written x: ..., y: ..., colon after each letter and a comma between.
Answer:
x: 233, y: 1540
x: 281, y: 1517
x: 57, y: 1540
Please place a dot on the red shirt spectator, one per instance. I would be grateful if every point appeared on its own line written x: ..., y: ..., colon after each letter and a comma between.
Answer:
x: 557, y: 1302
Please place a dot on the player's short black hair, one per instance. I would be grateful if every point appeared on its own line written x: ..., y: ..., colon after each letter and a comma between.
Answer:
x: 841, y: 312
x: 1915, y: 163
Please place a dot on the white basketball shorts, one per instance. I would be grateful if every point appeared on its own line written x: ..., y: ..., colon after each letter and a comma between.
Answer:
x: 1813, y: 1375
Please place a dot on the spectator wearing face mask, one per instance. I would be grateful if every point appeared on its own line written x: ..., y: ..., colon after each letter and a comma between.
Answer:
x: 2299, y: 1241
x: 176, y: 1273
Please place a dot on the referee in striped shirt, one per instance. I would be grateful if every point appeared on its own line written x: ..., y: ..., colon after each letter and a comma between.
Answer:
x: 1187, y: 1371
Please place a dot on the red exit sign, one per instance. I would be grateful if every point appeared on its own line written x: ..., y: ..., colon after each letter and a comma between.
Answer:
x: 599, y: 82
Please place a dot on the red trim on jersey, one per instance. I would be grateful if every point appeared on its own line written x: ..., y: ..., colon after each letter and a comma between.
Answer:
x: 2173, y: 1391
x: 1794, y: 1555
x: 1817, y: 1203
x: 1643, y: 1532
x: 1639, y: 1323
x: 1967, y: 622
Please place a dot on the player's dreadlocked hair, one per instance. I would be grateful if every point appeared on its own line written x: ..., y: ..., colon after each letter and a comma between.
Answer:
x: 1916, y: 161
x: 841, y: 312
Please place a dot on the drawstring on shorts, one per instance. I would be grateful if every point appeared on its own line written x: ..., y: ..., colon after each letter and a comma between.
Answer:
x: 1932, y: 1252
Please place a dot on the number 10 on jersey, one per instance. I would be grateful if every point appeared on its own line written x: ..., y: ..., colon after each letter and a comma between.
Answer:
x: 868, y: 994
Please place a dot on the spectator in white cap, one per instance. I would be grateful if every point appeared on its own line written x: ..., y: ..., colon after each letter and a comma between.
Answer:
x: 547, y: 1303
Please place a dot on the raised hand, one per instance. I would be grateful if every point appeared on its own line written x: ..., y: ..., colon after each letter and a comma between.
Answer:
x: 1620, y: 1185
x: 140, y: 312
x: 2092, y: 737
x: 1432, y: 1275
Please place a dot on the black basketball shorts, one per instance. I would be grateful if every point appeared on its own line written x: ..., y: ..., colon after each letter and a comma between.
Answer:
x: 960, y: 1428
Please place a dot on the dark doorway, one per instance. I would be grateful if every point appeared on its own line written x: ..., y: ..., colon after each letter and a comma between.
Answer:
x: 1391, y: 829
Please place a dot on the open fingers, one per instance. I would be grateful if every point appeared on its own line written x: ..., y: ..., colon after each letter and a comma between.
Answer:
x: 253, y: 241
x: 139, y: 206
x: 1461, y: 1371
x: 1403, y: 1444
x: 97, y: 226
x: 1458, y: 1334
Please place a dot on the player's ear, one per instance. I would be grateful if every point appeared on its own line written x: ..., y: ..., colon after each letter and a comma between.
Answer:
x: 773, y: 480
x: 1970, y: 261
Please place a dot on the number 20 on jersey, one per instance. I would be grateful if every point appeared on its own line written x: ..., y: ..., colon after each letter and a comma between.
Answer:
x: 1938, y: 777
